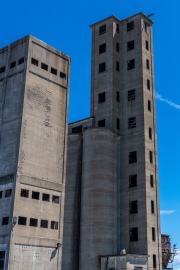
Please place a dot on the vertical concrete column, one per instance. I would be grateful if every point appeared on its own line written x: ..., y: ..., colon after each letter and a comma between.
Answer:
x: 98, y: 233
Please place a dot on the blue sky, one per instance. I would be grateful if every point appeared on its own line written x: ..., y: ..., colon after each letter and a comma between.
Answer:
x: 65, y: 26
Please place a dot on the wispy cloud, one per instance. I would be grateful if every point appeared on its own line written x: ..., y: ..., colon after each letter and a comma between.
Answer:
x: 167, y: 212
x: 172, y: 104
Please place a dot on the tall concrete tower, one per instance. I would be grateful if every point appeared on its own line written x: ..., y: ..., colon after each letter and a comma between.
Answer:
x: 112, y: 197
x: 34, y: 82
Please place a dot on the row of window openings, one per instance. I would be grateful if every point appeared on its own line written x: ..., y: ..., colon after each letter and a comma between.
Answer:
x: 45, y: 67
x: 133, y: 157
x: 133, y: 181
x: 133, y: 208
x: 5, y: 194
x: 130, y: 65
x: 33, y: 222
x: 130, y: 46
x: 133, y: 233
x: 36, y: 196
x: 12, y: 65
x: 102, y: 29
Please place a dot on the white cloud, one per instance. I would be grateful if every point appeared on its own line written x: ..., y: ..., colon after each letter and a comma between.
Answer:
x: 167, y: 212
x: 172, y: 104
x: 176, y: 262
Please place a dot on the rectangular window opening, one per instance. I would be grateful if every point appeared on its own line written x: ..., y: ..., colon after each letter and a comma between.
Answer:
x: 147, y: 45
x: 154, y: 261
x: 34, y: 62
x: 146, y: 27
x: 147, y: 63
x: 117, y: 96
x: 132, y: 157
x: 101, y: 123
x: 150, y: 156
x: 117, y: 28
x: 131, y: 94
x: 153, y: 234
x: 102, y: 48
x: 21, y: 61
x: 44, y: 223
x: 117, y: 46
x: 2, y: 69
x: 133, y: 207
x: 130, y: 45
x: 45, y: 197
x: 8, y: 192
x: 2, y: 259
x: 55, y: 199
x: 149, y: 105
x: 5, y: 221
x: 77, y: 129
x: 148, y: 84
x: 150, y: 133
x: 133, y: 180
x: 13, y: 64
x: 117, y: 65
x: 62, y: 75
x: 25, y: 193
x: 54, y: 71
x: 133, y: 233
x: 44, y: 66
x: 22, y: 220
x: 130, y: 26
x: 102, y: 29
x: 151, y: 181
x: 117, y: 123
x: 102, y: 67
x: 130, y: 64
x: 132, y: 122
x: 33, y: 222
x: 101, y: 97
x: 152, y: 207
x: 1, y: 194
x: 54, y: 225
x: 35, y: 195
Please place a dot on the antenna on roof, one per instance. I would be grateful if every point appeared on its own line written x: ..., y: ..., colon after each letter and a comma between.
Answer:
x: 150, y: 15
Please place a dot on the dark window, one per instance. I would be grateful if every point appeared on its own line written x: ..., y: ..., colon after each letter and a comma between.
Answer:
x: 102, y: 29
x: 2, y: 259
x: 131, y: 94
x: 150, y: 156
x: 151, y: 181
x: 130, y: 64
x: 54, y: 71
x: 148, y: 84
x: 153, y: 234
x: 2, y: 69
x: 152, y: 207
x: 44, y: 66
x: 22, y: 220
x: 117, y: 123
x: 5, y: 220
x: 44, y: 223
x: 77, y: 129
x: 102, y: 48
x: 0, y: 194
x: 150, y: 133
x: 101, y: 97
x: 102, y: 67
x: 130, y: 26
x: 147, y: 45
x: 54, y: 225
x: 133, y: 180
x: 25, y: 193
x: 147, y: 63
x: 133, y: 207
x: 117, y: 28
x: 133, y: 233
x: 154, y: 261
x: 117, y: 96
x: 117, y: 46
x: 13, y: 64
x: 21, y: 61
x: 8, y: 192
x: 130, y: 45
x: 146, y: 27
x: 45, y: 197
x: 101, y: 123
x: 33, y: 222
x: 34, y: 61
x: 132, y: 122
x: 35, y: 195
x: 63, y: 75
x: 149, y: 105
x: 55, y: 199
x: 132, y: 157
x: 117, y: 65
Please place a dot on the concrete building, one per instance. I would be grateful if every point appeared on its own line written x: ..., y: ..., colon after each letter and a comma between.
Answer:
x: 34, y: 82
x: 112, y: 197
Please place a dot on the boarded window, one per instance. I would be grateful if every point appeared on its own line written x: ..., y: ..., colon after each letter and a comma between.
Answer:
x: 102, y: 67
x: 44, y: 223
x: 101, y: 97
x: 63, y: 75
x: 132, y: 122
x: 54, y: 225
x: 35, y: 195
x: 77, y: 129
x: 5, y: 221
x: 133, y: 234
x: 101, y: 123
x: 34, y: 61
x: 133, y: 207
x: 102, y: 29
x: 133, y: 180
x: 102, y: 48
x: 44, y: 66
x: 130, y: 64
x: 25, y: 193
x: 131, y: 94
x: 45, y: 197
x: 22, y: 220
x: 8, y: 192
x: 130, y: 45
x: 55, y: 199
x: 33, y: 222
x: 132, y: 157
x: 54, y: 71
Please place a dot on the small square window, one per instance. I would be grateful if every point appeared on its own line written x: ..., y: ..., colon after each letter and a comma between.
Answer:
x: 2, y: 69
x: 77, y: 129
x: 102, y: 29
x: 54, y: 225
x: 21, y: 61
x: 13, y: 64
x: 150, y: 156
x: 153, y: 234
x: 117, y: 28
x: 33, y: 222
x: 101, y: 123
x: 102, y: 48
x: 22, y: 220
x: 132, y: 157
x: 117, y: 123
x: 148, y: 84
x: 35, y: 195
x: 152, y: 207
x: 150, y: 133
x: 149, y: 105
x: 25, y: 193
x: 8, y: 192
x: 44, y: 223
x: 130, y: 26
x: 130, y: 64
x: 63, y: 76
x: 133, y: 180
x: 34, y: 61
x: 130, y: 45
x: 151, y: 181
x: 117, y: 65
x: 147, y: 45
x: 45, y: 197
x: 44, y: 66
x: 133, y: 207
x: 147, y: 63
x: 117, y: 96
x: 5, y: 221
x: 131, y: 94
x: 132, y: 122
x: 133, y: 233
x: 117, y: 46
x: 101, y: 97
x: 54, y: 71
x: 102, y: 67
x: 154, y: 261
x: 0, y: 194
x: 55, y: 199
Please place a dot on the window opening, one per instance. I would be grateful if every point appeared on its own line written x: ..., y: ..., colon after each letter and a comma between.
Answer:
x: 117, y: 65
x: 131, y: 94
x: 34, y: 61
x: 0, y: 194
x: 101, y: 97
x: 146, y: 27
x: 133, y: 233
x: 131, y: 64
x: 2, y: 259
x: 148, y: 84
x: 102, y: 67
x: 13, y: 64
x: 55, y: 199
x: 8, y: 192
x: 33, y: 222
x: 35, y: 195
x: 150, y: 133
x: 77, y: 129
x: 2, y: 69
x: 117, y: 46
x: 44, y: 66
x: 5, y: 220
x: 152, y: 207
x: 117, y: 123
x: 101, y: 123
x: 117, y: 28
x: 154, y: 261
x: 147, y: 45
x: 102, y: 29
x: 22, y: 220
x: 117, y: 96
x: 25, y: 193
x: 102, y: 48
x: 133, y: 180
x: 153, y: 234
x: 44, y: 223
x: 62, y: 75
x: 132, y: 122
x: 147, y: 63
x: 132, y: 157
x: 130, y: 45
x: 133, y: 207
x: 21, y: 61
x: 45, y: 197
x: 150, y: 156
x: 149, y: 105
x: 130, y: 26
x: 54, y: 225
x: 54, y: 71
x: 151, y: 181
